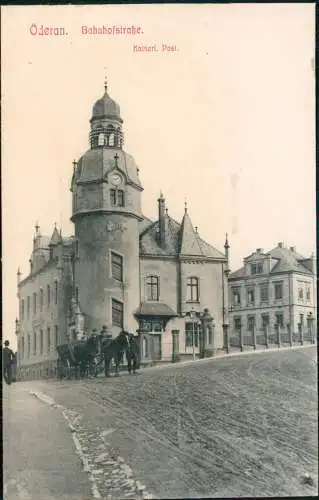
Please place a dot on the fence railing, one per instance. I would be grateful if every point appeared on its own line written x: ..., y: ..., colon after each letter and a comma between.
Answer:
x: 266, y: 337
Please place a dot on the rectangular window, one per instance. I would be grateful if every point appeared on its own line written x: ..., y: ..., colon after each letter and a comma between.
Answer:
x: 251, y: 296
x: 251, y: 323
x: 152, y: 325
x: 34, y: 303
x: 48, y: 339
x: 256, y: 268
x: 253, y: 268
x: 308, y: 294
x: 237, y: 324
x: 22, y: 309
x: 236, y: 297
x: 117, y: 266
x: 48, y: 295
x: 56, y: 335
x: 22, y: 347
x: 265, y: 320
x: 264, y: 293
x: 117, y: 313
x: 56, y: 289
x: 192, y: 332
x: 34, y: 343
x: 259, y: 268
x: 120, y: 198
x: 280, y: 319
x: 28, y: 307
x: 113, y: 197
x: 192, y: 290
x: 41, y: 299
x: 301, y: 317
x: 29, y: 346
x: 278, y: 291
x: 41, y: 341
x: 152, y: 288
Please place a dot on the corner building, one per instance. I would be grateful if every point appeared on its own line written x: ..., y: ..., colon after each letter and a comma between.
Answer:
x: 123, y: 270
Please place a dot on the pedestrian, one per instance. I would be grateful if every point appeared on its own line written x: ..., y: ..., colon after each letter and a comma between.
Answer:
x: 7, y: 361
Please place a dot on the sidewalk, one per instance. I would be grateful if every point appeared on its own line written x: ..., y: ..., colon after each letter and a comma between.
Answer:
x: 40, y: 461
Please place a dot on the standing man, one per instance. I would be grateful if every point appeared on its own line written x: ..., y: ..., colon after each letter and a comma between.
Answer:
x: 7, y: 360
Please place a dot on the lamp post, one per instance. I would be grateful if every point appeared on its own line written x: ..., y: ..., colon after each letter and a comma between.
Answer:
x: 192, y: 315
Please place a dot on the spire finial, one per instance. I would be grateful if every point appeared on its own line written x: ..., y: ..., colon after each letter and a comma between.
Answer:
x: 226, y: 241
x: 105, y: 83
x: 74, y: 163
x: 185, y: 206
x: 166, y: 211
x: 55, y: 227
x: 19, y: 272
x: 161, y: 194
x: 196, y: 229
x: 37, y: 227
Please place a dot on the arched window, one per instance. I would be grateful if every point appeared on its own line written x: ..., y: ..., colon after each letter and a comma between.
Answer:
x: 152, y: 288
x: 192, y: 293
x: 48, y: 295
x: 118, y: 137
x: 111, y: 139
x: 100, y: 139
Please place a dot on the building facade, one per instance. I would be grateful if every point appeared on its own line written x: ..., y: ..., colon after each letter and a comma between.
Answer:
x: 274, y: 291
x: 120, y: 269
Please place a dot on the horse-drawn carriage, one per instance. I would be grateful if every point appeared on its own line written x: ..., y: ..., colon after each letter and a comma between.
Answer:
x: 84, y: 358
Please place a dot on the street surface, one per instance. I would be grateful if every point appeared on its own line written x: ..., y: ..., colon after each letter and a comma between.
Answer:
x: 239, y: 426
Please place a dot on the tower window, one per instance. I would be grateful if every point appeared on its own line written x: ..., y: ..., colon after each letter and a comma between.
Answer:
x: 100, y: 140
x: 117, y: 313
x: 152, y: 288
x: 192, y: 289
x: 117, y: 197
x: 111, y: 140
x: 117, y: 266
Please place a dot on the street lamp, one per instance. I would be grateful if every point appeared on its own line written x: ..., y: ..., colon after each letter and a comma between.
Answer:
x: 192, y: 315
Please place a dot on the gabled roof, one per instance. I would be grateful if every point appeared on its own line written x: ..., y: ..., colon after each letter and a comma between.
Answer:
x: 188, y: 239
x: 56, y: 237
x: 180, y: 240
x: 287, y: 261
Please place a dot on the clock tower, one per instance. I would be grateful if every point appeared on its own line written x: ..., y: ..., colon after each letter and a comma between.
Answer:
x: 106, y: 210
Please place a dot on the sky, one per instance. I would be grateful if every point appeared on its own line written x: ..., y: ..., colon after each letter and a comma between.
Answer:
x: 226, y: 121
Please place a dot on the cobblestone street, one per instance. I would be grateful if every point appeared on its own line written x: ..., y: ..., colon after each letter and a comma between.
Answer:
x: 239, y: 426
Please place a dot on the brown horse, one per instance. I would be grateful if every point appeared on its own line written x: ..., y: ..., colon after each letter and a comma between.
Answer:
x: 115, y: 349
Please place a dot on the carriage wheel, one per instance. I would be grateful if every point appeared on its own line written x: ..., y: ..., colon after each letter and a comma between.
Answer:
x: 68, y: 370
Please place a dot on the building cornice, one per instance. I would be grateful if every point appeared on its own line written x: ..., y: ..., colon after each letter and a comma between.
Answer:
x: 101, y: 211
x: 268, y: 276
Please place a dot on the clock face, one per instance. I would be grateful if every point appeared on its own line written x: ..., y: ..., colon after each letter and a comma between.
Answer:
x: 116, y: 179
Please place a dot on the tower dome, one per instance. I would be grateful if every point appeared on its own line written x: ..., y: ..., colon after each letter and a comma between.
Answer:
x: 106, y: 107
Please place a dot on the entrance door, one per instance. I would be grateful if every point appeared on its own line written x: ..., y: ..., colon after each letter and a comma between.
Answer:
x: 157, y: 346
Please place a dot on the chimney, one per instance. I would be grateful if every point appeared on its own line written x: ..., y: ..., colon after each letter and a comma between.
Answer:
x: 293, y: 249
x: 161, y: 218
x: 281, y: 244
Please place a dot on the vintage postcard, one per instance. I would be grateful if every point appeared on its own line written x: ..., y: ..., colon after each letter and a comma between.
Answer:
x: 159, y: 251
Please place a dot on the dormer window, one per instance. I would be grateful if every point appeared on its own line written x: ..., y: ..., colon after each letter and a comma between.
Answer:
x: 256, y: 268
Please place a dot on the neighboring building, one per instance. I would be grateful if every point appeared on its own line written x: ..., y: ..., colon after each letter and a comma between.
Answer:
x: 275, y: 289
x: 120, y: 269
